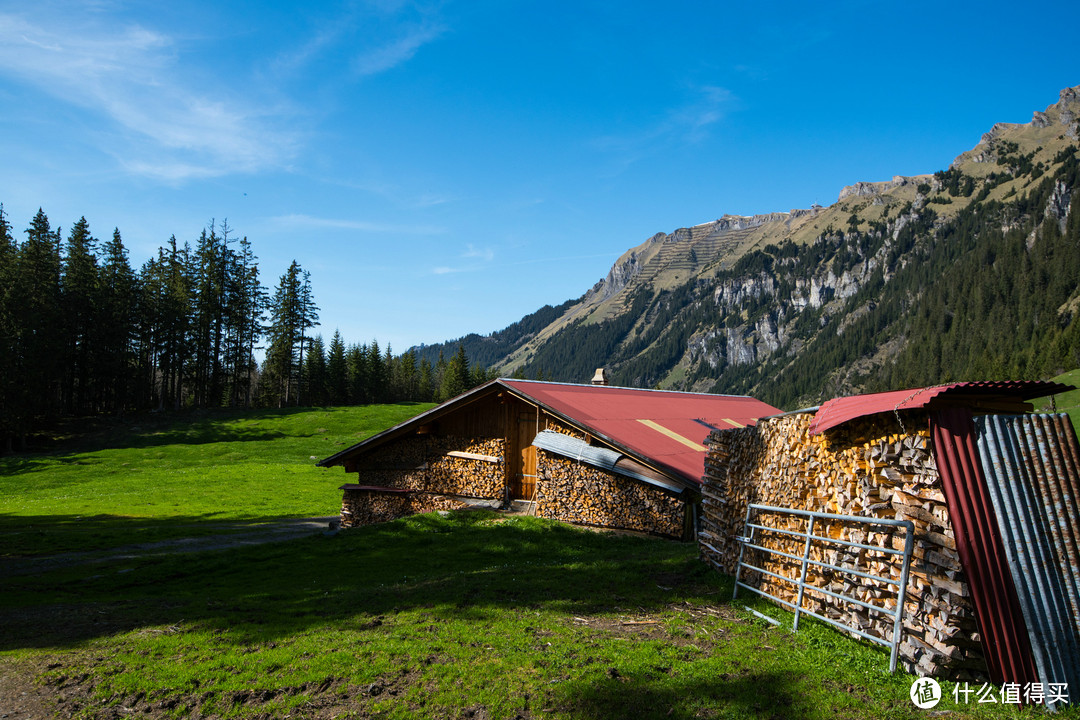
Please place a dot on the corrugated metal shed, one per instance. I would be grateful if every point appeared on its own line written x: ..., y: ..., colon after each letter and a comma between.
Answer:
x: 981, y: 549
x: 999, y: 396
x: 668, y: 428
x: 1031, y: 469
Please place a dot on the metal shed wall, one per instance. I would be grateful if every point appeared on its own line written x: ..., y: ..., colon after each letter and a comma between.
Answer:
x: 981, y: 549
x: 1032, y: 471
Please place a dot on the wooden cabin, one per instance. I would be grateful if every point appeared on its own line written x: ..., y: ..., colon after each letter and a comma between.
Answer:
x: 587, y: 454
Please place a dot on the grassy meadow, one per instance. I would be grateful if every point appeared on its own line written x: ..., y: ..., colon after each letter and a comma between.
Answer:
x: 1068, y: 402
x: 463, y: 615
x: 154, y: 477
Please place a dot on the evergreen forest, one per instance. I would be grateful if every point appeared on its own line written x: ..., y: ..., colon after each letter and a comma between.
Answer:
x: 83, y: 333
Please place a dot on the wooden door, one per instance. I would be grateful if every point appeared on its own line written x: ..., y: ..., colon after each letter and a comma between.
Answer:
x: 523, y: 485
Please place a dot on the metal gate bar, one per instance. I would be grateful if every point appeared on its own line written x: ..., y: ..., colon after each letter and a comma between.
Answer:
x: 747, y: 541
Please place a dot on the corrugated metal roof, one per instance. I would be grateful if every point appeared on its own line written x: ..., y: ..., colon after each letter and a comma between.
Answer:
x: 979, y: 544
x: 665, y: 427
x: 841, y: 410
x: 600, y: 457
x: 1037, y: 522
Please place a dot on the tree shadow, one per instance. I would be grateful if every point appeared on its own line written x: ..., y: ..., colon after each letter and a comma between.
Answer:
x: 74, y: 435
x: 63, y: 540
x: 452, y: 566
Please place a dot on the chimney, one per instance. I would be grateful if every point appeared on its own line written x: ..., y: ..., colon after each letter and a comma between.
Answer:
x: 600, y: 378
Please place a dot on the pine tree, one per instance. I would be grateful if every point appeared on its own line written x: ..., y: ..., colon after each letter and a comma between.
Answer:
x: 292, y: 313
x: 117, y: 319
x: 36, y: 310
x: 425, y: 388
x: 337, y: 372
x: 208, y: 272
x: 309, y: 315
x: 279, y: 368
x: 376, y: 390
x: 164, y: 336
x: 8, y: 334
x: 356, y: 361
x: 406, y: 376
x: 79, y: 301
x: 315, y: 371
x: 456, y: 378
x: 245, y: 307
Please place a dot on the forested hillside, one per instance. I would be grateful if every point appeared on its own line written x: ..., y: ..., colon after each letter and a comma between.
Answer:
x: 971, y: 273
x: 491, y: 350
x: 989, y: 294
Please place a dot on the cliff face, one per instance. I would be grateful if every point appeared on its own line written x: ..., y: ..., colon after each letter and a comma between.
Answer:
x: 745, y: 303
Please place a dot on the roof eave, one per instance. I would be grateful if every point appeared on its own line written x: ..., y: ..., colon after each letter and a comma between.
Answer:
x: 461, y: 400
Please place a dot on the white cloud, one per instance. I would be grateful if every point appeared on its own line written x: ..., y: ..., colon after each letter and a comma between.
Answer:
x: 309, y: 221
x: 132, y: 77
x: 485, y: 254
x: 400, y: 50
x: 372, y: 38
x: 687, y: 124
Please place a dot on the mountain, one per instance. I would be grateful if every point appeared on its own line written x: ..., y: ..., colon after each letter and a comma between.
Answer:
x: 968, y: 273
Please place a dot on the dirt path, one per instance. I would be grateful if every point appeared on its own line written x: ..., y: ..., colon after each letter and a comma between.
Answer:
x: 232, y: 535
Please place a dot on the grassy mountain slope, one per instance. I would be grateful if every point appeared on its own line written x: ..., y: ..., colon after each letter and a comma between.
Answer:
x: 964, y: 274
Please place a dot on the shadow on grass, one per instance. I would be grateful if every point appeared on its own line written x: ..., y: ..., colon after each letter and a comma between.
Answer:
x: 77, y: 451
x: 751, y: 695
x: 72, y: 439
x: 450, y: 566
x: 25, y: 537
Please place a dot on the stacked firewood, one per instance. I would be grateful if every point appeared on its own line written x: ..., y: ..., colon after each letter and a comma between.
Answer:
x: 363, y: 505
x: 577, y: 493
x: 552, y: 424
x: 445, y: 465
x: 881, y: 466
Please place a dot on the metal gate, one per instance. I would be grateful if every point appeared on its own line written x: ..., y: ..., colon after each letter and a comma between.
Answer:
x: 747, y: 541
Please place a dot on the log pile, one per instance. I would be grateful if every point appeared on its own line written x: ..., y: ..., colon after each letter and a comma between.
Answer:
x: 365, y: 505
x: 432, y: 469
x: 872, y: 467
x: 581, y: 494
x: 552, y: 424
x: 444, y: 465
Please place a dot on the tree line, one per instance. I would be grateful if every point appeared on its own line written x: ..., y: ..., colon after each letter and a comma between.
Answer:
x: 82, y: 333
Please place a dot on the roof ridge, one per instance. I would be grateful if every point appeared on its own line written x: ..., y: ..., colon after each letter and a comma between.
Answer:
x: 621, y: 387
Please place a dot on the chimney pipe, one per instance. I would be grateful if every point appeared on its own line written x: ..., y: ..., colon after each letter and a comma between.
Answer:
x: 600, y: 378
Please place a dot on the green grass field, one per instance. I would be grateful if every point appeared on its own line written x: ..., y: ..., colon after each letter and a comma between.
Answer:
x: 1068, y: 402
x: 159, y: 476
x: 463, y: 615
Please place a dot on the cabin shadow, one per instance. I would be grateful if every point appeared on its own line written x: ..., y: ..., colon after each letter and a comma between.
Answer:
x: 450, y: 567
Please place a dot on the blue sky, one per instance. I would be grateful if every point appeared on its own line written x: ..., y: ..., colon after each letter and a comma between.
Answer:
x: 443, y: 168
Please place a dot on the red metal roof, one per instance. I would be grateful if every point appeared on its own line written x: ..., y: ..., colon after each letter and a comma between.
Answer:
x: 841, y: 410
x: 667, y: 428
